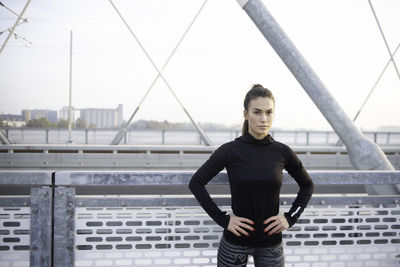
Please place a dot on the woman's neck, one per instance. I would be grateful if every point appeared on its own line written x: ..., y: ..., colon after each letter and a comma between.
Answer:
x: 257, y: 136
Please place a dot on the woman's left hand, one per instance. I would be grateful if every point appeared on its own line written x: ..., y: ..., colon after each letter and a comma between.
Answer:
x: 278, y: 224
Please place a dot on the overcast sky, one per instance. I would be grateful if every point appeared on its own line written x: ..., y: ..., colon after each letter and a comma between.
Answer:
x: 221, y: 56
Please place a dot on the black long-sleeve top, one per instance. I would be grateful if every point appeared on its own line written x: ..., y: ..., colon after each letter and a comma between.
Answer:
x: 254, y: 168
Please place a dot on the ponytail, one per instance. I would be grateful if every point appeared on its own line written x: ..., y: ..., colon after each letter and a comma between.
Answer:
x: 245, y: 127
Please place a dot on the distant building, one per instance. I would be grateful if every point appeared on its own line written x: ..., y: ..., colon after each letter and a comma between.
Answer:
x: 30, y: 114
x: 12, y: 120
x: 103, y: 118
x: 64, y: 113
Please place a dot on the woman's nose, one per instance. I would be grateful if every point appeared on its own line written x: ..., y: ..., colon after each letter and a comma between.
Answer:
x: 263, y: 117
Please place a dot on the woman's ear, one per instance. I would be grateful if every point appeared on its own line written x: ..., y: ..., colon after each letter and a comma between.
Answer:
x: 245, y: 114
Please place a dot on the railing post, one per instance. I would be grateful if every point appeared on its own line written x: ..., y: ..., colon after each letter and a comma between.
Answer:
x: 47, y: 135
x: 307, y: 138
x: 41, y: 227
x: 86, y: 136
x: 163, y: 137
x: 64, y: 227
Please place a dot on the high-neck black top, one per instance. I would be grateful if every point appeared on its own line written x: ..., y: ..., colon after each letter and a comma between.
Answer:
x: 254, y: 168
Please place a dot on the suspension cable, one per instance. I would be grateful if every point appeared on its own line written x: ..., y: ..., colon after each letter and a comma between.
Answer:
x: 16, y: 14
x: 376, y: 83
x: 384, y: 39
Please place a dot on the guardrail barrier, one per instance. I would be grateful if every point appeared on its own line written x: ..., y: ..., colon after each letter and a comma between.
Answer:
x: 149, y: 218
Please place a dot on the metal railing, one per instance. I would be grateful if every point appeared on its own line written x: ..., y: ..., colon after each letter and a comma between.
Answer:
x: 160, y: 157
x: 180, y: 137
x: 149, y: 218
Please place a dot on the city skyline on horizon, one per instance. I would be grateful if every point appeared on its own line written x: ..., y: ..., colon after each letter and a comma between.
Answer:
x: 232, y: 125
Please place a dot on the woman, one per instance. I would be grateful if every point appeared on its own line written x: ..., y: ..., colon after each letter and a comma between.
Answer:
x: 254, y: 164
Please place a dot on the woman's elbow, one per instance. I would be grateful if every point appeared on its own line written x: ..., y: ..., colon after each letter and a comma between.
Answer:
x: 192, y: 185
x: 310, y: 186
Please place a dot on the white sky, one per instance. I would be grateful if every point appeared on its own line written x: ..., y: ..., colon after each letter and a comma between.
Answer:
x: 222, y: 55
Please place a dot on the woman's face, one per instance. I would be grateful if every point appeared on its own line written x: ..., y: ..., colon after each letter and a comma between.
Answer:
x: 260, y: 114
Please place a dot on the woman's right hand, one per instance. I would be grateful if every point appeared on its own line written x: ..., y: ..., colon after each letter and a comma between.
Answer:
x: 236, y: 223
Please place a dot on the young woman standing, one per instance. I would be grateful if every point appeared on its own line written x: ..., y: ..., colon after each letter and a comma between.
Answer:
x: 254, y: 164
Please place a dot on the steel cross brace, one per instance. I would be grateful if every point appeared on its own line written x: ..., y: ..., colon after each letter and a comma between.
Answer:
x: 118, y: 137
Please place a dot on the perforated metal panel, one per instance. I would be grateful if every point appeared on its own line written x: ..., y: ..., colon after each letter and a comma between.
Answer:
x: 325, y: 235
x: 348, y: 235
x: 14, y: 236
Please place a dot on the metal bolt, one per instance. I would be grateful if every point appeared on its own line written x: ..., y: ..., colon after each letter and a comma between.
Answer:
x: 359, y: 201
x: 45, y: 194
x: 284, y: 202
x: 60, y: 193
x: 25, y: 203
x: 80, y: 204
x: 322, y: 202
x: 395, y: 201
x: 123, y: 203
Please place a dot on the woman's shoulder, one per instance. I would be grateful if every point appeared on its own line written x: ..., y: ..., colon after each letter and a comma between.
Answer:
x: 223, y: 147
x: 282, y: 147
x: 227, y: 145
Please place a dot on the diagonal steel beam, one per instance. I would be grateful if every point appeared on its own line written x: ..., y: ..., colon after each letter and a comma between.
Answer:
x: 119, y: 136
x: 363, y: 154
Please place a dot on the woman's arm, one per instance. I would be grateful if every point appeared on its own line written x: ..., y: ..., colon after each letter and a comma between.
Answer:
x: 296, y: 170
x: 201, y: 177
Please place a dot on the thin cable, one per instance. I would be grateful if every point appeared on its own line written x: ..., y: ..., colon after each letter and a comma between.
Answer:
x: 11, y: 27
x: 167, y: 61
x: 118, y: 137
x: 339, y: 142
x: 16, y: 14
x: 384, y: 39
x: 19, y: 37
x: 145, y: 52
x: 376, y: 83
x: 176, y: 47
x: 15, y: 25
x: 75, y: 48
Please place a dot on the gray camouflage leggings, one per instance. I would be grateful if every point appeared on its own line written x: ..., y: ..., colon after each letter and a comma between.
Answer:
x: 230, y: 254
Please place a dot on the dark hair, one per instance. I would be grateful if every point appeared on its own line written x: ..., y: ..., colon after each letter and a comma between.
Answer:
x: 257, y: 90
